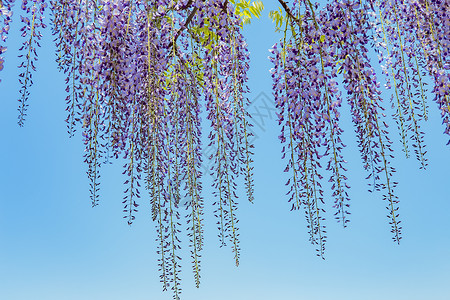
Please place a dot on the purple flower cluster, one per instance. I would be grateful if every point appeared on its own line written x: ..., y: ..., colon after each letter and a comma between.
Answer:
x: 138, y: 77
x: 320, y: 48
x: 416, y: 43
x: 33, y: 21
x: 5, y: 18
x: 225, y: 66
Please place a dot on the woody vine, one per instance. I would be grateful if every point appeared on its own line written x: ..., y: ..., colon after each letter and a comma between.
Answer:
x: 140, y: 73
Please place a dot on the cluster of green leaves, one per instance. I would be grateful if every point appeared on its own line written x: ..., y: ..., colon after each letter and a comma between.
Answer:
x: 206, y: 35
x: 278, y: 18
x: 246, y: 9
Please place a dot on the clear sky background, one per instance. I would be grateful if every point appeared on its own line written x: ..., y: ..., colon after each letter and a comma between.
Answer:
x: 54, y: 246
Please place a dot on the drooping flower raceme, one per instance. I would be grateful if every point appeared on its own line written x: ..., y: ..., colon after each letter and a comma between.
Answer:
x: 414, y: 45
x: 322, y: 46
x: 5, y: 19
x: 33, y: 21
x: 140, y: 74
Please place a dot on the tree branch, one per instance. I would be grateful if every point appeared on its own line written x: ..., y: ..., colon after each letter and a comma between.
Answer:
x: 288, y: 11
x: 187, y: 5
x: 180, y: 30
x: 224, y: 6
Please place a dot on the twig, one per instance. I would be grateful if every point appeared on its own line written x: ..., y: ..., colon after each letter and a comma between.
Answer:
x: 288, y: 11
x: 180, y: 30
x: 187, y: 5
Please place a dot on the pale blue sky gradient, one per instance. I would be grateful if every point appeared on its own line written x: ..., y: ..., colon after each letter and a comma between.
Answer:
x: 54, y: 246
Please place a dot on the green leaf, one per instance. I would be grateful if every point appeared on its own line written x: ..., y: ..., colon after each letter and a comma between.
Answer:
x: 247, y: 10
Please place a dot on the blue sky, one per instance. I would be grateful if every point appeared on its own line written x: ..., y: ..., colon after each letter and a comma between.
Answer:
x: 55, y: 246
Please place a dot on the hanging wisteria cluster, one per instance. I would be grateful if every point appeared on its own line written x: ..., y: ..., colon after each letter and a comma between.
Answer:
x: 138, y: 75
x: 326, y: 45
x: 5, y: 18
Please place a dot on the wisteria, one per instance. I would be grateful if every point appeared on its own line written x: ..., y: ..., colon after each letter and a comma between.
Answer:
x: 30, y: 30
x: 327, y: 46
x: 139, y: 75
x: 5, y: 18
